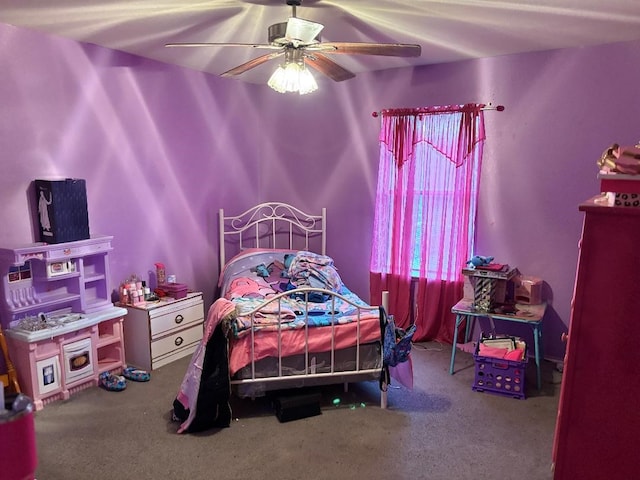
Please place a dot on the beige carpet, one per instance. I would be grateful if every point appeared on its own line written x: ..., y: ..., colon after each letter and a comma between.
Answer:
x: 439, y: 430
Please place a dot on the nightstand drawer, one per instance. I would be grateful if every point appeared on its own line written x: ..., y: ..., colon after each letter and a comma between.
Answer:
x: 176, y: 318
x: 176, y: 342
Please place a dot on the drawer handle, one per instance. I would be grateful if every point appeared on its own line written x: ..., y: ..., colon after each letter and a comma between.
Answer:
x: 179, y: 318
x: 178, y: 341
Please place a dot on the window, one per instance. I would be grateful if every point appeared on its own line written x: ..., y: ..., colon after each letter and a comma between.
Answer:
x: 429, y: 202
x: 428, y: 176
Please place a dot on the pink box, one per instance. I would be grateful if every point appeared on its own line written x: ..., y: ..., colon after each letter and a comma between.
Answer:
x: 175, y: 290
x: 529, y: 290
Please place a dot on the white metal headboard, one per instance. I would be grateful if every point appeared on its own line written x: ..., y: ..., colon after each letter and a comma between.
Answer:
x: 272, y: 225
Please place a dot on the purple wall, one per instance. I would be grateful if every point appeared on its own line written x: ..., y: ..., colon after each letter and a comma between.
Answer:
x: 163, y: 148
x: 562, y: 109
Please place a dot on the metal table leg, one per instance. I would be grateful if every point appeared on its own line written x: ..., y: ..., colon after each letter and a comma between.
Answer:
x: 459, y: 319
x: 537, y: 335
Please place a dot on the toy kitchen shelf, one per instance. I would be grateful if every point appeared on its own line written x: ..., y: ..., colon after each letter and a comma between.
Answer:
x: 55, y: 308
x: 42, y: 278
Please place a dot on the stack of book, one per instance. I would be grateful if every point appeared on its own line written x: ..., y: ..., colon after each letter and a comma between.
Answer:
x: 507, y: 347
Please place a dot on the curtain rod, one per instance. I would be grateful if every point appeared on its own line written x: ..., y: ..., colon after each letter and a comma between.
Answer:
x: 488, y: 106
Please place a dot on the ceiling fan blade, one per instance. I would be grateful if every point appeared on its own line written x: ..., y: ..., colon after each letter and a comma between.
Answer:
x: 356, y: 48
x: 252, y: 64
x: 328, y: 67
x: 252, y: 45
x: 302, y: 31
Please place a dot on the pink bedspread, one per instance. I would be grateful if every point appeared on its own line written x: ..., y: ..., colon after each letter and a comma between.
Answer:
x: 287, y: 315
x: 293, y: 341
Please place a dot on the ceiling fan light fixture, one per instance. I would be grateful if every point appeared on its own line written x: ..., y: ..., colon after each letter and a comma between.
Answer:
x: 293, y: 77
x: 299, y: 41
x: 307, y: 83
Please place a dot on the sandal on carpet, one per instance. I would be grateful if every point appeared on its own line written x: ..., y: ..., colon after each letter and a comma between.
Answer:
x: 135, y: 374
x: 113, y: 383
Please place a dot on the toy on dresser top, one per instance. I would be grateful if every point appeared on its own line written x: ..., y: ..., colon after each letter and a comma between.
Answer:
x: 135, y: 292
x: 617, y: 159
x: 172, y: 289
x: 167, y: 285
x: 619, y: 177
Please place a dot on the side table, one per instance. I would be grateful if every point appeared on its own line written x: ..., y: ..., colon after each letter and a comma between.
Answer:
x: 157, y: 333
x: 528, y: 314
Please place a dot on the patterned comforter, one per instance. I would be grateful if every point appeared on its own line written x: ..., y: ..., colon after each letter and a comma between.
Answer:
x: 283, y: 290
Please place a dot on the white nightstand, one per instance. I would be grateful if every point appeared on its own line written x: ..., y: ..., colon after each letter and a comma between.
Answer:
x: 160, y: 332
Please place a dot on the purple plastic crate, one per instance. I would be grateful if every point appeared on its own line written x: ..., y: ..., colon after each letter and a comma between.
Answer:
x: 500, y: 376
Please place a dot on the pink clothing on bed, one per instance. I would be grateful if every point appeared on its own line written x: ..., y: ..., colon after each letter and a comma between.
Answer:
x: 246, y: 287
x: 293, y: 341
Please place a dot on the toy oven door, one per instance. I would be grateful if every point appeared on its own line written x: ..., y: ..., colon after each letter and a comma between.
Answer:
x: 78, y: 360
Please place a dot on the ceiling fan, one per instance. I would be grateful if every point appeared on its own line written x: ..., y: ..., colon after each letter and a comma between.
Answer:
x: 299, y: 42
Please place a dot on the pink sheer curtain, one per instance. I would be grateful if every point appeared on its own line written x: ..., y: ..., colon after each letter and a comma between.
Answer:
x: 426, y: 200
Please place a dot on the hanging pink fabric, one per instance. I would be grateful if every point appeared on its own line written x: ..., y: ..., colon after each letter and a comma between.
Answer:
x: 426, y: 200
x: 400, y: 132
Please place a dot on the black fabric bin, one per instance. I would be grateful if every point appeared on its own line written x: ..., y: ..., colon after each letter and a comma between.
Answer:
x: 61, y: 207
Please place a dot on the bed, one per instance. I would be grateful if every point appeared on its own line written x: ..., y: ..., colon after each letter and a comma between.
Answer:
x: 297, y: 324
x: 283, y: 319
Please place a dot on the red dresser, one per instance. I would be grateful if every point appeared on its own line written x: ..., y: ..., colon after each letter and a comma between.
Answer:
x: 598, y: 422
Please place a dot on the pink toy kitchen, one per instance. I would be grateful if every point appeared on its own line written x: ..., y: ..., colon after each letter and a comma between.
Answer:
x: 62, y: 328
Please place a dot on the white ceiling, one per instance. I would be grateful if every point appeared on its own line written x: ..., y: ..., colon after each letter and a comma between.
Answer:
x: 447, y: 30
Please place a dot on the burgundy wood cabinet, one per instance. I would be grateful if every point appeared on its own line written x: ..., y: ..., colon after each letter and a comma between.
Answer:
x: 598, y: 424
